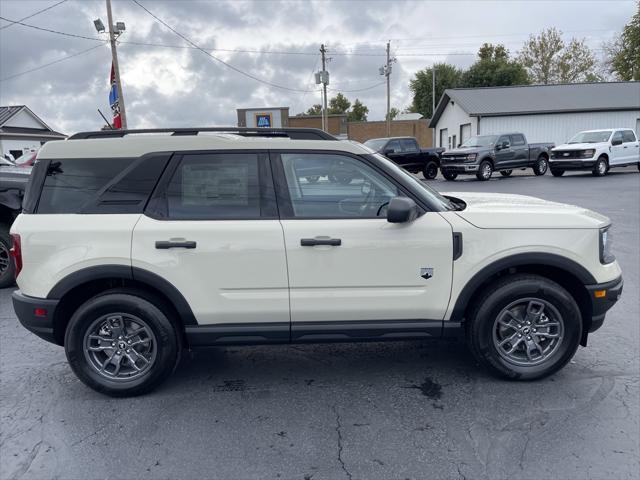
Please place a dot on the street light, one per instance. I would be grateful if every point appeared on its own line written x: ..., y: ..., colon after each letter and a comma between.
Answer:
x: 99, y: 25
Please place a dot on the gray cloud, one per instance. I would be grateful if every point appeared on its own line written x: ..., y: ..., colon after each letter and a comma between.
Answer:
x: 181, y: 87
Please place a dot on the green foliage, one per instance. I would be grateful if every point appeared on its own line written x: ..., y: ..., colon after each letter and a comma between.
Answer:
x: 315, y: 110
x: 338, y: 104
x: 548, y: 59
x: 447, y: 76
x: 358, y: 112
x: 393, y: 113
x: 494, y: 68
x: 623, y: 54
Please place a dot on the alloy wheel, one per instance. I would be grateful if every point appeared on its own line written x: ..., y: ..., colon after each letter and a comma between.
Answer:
x: 120, y: 347
x: 542, y: 166
x: 5, y: 259
x: 528, y: 331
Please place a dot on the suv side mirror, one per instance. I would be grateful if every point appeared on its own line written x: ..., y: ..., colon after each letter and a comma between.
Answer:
x: 402, y: 210
x: 616, y: 141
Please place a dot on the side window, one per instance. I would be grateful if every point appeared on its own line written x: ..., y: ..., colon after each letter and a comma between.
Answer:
x: 504, y: 138
x: 628, y: 136
x: 335, y: 186
x: 409, y: 145
x: 617, y: 136
x: 517, y: 140
x: 394, y: 146
x: 215, y: 187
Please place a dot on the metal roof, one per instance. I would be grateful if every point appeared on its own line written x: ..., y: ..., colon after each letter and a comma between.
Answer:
x: 7, y: 112
x: 534, y: 99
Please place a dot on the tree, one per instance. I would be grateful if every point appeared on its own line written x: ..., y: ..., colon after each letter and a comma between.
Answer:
x: 358, y: 112
x: 393, y: 113
x: 447, y: 76
x: 315, y: 110
x: 623, y: 54
x: 548, y: 59
x: 494, y: 68
x: 338, y: 104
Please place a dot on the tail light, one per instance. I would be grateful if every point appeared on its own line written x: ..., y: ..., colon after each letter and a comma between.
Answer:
x: 16, y: 252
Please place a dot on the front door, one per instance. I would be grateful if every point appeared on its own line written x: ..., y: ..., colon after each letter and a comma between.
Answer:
x: 213, y: 232
x: 617, y: 151
x: 346, y: 263
x: 504, y: 153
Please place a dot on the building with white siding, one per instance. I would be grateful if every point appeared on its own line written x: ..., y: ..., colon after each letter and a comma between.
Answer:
x: 22, y: 131
x: 544, y: 113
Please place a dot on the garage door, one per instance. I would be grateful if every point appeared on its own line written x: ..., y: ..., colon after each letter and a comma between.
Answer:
x: 465, y: 132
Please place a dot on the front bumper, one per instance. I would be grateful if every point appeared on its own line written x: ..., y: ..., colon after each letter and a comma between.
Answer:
x: 36, y: 314
x: 586, y: 164
x: 459, y: 168
x: 603, y: 297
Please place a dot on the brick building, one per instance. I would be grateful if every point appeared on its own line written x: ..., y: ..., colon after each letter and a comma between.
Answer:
x: 337, y: 123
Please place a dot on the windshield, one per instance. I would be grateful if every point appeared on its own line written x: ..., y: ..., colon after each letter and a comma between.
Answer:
x: 376, y: 143
x: 480, y: 141
x: 591, y: 137
x: 429, y: 192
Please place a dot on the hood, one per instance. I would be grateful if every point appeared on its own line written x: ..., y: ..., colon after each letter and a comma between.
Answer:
x: 466, y: 151
x: 578, y: 146
x: 499, y: 210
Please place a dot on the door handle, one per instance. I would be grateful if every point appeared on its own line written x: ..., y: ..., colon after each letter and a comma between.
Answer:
x: 165, y: 245
x: 312, y: 242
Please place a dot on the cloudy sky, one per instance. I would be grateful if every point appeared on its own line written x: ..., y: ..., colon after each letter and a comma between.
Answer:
x: 166, y: 84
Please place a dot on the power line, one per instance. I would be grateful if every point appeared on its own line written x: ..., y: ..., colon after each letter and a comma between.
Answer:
x: 228, y: 65
x: 51, y: 63
x: 13, y: 22
x: 33, y: 14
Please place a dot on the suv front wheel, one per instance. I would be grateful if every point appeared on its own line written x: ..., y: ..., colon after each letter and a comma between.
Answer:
x: 524, y: 327
x: 121, y: 344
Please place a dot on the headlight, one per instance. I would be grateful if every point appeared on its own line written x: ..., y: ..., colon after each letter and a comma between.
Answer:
x: 588, y: 153
x: 605, y: 246
x: 471, y: 157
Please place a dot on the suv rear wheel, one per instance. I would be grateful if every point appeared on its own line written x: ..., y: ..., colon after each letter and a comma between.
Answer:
x: 524, y: 327
x: 7, y: 267
x: 121, y: 344
x: 485, y: 171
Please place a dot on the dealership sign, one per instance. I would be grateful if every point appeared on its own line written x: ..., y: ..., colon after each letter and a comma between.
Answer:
x: 263, y: 120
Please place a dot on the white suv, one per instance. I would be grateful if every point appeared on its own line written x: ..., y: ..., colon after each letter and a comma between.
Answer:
x: 598, y: 151
x: 132, y: 247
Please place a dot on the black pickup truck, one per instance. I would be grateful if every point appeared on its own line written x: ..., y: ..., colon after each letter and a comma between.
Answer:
x: 13, y: 181
x: 484, y: 154
x: 406, y: 153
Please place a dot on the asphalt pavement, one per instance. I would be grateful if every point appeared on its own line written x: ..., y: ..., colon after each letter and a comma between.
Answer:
x: 393, y: 410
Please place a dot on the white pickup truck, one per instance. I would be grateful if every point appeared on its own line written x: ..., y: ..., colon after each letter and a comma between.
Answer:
x: 596, y: 150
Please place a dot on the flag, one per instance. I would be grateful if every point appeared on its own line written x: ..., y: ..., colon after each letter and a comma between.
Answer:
x: 113, y: 100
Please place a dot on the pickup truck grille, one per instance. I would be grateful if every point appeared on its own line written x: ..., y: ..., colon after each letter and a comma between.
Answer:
x: 567, y: 154
x: 453, y: 158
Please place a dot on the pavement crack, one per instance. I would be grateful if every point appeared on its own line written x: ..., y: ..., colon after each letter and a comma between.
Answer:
x: 339, y: 432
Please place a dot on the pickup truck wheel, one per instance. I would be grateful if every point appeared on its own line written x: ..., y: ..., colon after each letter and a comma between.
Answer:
x: 506, y: 173
x: 557, y: 173
x: 7, y: 267
x: 601, y: 167
x: 430, y: 170
x: 121, y: 344
x: 524, y: 327
x: 451, y: 176
x: 541, y: 166
x: 485, y: 171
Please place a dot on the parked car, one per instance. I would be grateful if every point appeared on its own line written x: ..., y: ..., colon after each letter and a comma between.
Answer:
x: 26, y: 159
x: 130, y: 250
x: 13, y: 181
x: 484, y: 154
x: 406, y: 152
x: 598, y: 151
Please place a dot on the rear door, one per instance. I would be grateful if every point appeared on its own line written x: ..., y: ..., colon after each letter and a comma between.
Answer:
x: 520, y: 150
x: 630, y: 147
x: 346, y: 262
x: 212, y: 230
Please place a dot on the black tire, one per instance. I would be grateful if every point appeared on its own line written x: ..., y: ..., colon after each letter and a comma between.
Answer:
x: 557, y: 173
x: 7, y: 266
x: 506, y: 173
x: 313, y: 178
x: 601, y: 167
x: 541, y: 166
x: 450, y: 176
x: 430, y: 170
x: 482, y: 325
x: 484, y: 171
x: 165, y: 342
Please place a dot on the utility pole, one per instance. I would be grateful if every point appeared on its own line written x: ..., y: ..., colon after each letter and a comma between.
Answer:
x: 116, y: 67
x: 325, y: 80
x: 386, y: 71
x: 433, y: 102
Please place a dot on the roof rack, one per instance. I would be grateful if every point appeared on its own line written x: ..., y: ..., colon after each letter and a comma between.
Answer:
x: 292, y: 133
